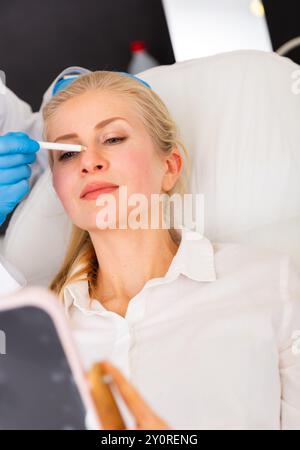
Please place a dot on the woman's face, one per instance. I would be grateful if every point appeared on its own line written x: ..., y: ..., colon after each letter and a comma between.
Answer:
x: 119, y: 151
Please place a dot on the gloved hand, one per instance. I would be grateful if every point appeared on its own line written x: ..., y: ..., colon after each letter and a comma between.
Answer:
x: 17, y: 150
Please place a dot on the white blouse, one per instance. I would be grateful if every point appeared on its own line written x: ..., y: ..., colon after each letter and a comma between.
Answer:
x: 214, y: 344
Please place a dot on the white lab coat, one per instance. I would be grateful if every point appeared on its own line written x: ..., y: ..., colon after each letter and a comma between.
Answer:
x: 17, y: 115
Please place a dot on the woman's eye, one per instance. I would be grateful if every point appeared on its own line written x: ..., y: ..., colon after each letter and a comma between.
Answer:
x: 110, y: 141
x: 114, y: 140
x: 67, y: 155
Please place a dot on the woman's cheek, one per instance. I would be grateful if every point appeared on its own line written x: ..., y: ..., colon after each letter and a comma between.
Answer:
x: 138, y: 173
x: 62, y: 186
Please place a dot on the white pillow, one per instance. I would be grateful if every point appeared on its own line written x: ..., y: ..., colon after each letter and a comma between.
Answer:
x: 38, y: 233
x: 239, y: 117
x: 239, y: 114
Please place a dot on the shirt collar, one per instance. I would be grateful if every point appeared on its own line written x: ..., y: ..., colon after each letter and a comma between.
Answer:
x: 194, y: 259
x: 77, y: 293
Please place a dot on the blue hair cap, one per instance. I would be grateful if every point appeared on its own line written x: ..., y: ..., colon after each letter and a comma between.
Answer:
x: 136, y: 78
x: 64, y: 82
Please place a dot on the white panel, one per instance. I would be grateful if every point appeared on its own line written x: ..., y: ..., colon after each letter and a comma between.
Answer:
x: 206, y: 27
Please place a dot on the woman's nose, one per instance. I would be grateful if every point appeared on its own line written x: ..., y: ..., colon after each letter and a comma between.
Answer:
x: 92, y: 160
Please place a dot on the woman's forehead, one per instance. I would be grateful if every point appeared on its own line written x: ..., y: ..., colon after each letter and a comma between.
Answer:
x: 101, y: 105
x: 99, y: 101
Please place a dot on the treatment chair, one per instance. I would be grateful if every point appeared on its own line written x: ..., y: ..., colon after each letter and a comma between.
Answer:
x: 239, y: 115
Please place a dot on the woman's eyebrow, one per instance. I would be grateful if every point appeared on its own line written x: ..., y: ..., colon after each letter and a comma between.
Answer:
x: 107, y: 121
x: 99, y: 125
x: 66, y: 136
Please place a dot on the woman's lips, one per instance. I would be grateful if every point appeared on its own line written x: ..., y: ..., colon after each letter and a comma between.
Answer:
x: 93, y: 195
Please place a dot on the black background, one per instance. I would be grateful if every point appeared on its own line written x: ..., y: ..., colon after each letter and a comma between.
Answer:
x: 38, y: 38
x: 283, y: 19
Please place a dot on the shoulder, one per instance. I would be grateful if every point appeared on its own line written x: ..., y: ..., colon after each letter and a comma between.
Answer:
x: 233, y: 256
x: 251, y: 266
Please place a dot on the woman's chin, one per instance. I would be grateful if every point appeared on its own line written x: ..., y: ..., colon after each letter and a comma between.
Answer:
x: 93, y: 223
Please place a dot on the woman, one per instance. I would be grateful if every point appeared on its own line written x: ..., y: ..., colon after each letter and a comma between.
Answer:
x: 205, y: 332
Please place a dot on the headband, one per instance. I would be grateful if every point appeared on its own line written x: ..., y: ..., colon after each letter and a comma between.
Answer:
x: 63, y: 82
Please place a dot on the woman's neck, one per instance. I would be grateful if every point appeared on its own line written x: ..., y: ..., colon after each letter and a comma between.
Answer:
x: 127, y: 260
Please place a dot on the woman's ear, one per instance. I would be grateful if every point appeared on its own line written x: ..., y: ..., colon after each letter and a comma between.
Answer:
x: 173, y: 164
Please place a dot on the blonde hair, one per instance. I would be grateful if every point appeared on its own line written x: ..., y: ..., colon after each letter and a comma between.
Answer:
x: 80, y: 260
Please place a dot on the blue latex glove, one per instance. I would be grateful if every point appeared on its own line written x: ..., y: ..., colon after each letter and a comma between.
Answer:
x: 17, y: 150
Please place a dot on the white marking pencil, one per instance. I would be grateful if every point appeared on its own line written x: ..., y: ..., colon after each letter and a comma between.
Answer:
x: 62, y: 147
